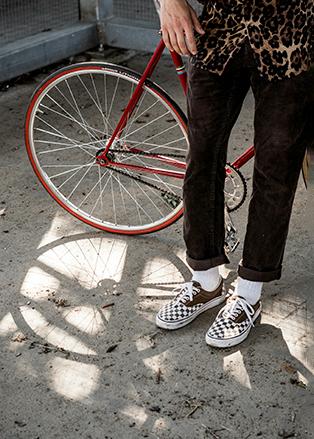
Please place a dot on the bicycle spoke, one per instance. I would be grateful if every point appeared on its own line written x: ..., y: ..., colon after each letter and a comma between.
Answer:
x: 70, y: 178
x: 75, y: 116
x: 106, y: 104
x: 61, y: 166
x: 157, y: 176
x: 76, y: 106
x: 152, y: 202
x: 134, y: 114
x: 157, y: 181
x: 90, y: 95
x: 158, y: 145
x: 137, y: 205
x: 86, y: 145
x: 134, y: 117
x: 97, y: 98
x: 67, y: 172
x: 92, y: 190
x: 135, y: 201
x: 146, y: 125
x: 113, y: 202
x: 75, y: 142
x: 113, y: 97
x: 155, y: 135
x: 101, y: 192
x: 122, y: 197
x: 67, y: 115
x: 79, y: 182
x: 100, y: 189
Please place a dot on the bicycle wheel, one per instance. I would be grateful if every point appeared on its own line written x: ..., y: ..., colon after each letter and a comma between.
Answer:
x: 69, y: 122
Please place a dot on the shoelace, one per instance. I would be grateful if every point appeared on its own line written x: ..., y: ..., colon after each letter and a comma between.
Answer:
x: 234, y: 306
x: 187, y: 291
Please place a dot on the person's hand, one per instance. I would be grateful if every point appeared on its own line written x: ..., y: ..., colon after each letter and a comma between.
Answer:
x: 178, y: 19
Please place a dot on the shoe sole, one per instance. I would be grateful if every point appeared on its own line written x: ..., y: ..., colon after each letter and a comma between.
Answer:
x: 221, y: 343
x: 177, y: 325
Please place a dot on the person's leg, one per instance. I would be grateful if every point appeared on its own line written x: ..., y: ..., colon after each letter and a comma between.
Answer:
x: 283, y: 129
x: 282, y: 132
x: 213, y: 105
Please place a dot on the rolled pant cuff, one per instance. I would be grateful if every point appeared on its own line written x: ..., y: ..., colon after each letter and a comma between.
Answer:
x: 205, y: 264
x: 258, y: 276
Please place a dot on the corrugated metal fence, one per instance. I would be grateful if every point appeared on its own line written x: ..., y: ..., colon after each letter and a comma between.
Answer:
x: 35, y: 33
x: 133, y: 24
x: 136, y: 10
x: 142, y: 10
x: 20, y: 18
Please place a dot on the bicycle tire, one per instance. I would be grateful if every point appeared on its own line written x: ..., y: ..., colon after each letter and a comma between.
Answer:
x: 121, y: 72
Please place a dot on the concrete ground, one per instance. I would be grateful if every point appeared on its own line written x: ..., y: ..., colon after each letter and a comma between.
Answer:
x: 93, y: 371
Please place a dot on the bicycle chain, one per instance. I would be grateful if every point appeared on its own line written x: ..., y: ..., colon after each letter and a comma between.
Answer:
x: 147, y: 153
x: 164, y: 192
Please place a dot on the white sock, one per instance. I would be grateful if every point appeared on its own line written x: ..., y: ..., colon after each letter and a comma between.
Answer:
x: 250, y: 290
x: 209, y: 279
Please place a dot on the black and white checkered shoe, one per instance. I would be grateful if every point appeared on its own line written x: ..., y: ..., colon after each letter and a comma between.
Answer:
x: 191, y: 301
x: 233, y: 322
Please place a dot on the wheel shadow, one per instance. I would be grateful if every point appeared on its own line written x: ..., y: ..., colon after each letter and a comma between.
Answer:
x: 87, y: 306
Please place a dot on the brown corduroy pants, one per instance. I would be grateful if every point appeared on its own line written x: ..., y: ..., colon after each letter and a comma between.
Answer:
x: 282, y: 131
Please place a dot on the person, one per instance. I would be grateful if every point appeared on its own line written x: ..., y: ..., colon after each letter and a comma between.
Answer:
x: 234, y: 45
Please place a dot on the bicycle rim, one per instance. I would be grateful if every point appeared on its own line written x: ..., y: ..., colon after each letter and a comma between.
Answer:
x: 68, y: 123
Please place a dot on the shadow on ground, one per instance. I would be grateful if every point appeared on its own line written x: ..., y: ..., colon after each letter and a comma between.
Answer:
x: 81, y: 356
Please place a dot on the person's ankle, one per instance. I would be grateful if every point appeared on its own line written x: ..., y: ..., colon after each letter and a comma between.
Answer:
x: 250, y: 290
x: 209, y: 279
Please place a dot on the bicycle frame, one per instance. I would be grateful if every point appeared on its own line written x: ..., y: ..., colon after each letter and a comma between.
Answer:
x: 104, y: 160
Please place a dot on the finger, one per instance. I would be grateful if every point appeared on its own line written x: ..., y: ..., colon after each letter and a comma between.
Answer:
x: 196, y: 23
x: 173, y: 40
x: 166, y: 39
x: 181, y: 41
x: 190, y: 39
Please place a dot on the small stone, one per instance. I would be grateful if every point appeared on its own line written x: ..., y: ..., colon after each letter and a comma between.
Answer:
x: 111, y: 348
x: 20, y: 423
x: 154, y: 408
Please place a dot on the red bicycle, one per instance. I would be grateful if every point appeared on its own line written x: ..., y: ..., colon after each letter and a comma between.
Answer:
x: 109, y: 145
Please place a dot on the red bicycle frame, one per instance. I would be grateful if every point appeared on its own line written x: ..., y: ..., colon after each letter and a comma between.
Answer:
x: 104, y: 160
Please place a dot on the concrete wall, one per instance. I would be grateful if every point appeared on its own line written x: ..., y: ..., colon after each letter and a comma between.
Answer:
x: 44, y: 48
x: 132, y: 25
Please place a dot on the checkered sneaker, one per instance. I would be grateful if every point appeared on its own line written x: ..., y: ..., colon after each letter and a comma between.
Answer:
x: 233, y: 322
x: 190, y: 301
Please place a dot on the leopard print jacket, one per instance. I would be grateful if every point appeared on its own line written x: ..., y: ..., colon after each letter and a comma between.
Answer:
x: 279, y: 32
